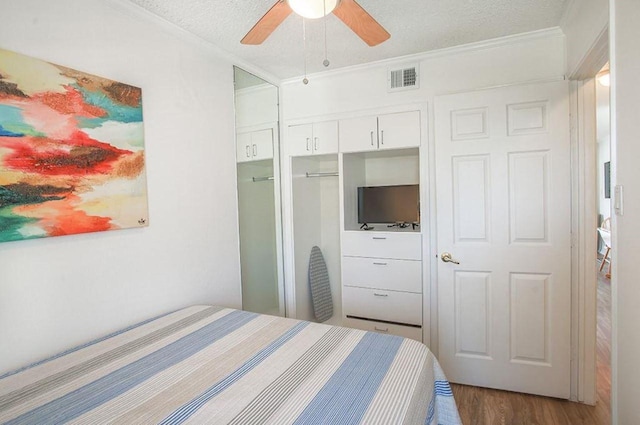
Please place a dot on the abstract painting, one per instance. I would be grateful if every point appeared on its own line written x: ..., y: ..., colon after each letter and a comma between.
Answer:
x: 71, y: 151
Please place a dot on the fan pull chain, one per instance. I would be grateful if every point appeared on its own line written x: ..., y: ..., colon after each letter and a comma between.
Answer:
x: 305, y: 80
x: 325, y: 62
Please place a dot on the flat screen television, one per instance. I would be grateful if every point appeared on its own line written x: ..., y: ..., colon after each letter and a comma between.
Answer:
x: 389, y: 204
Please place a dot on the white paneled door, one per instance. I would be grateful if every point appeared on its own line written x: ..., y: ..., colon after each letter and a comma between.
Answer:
x: 503, y: 213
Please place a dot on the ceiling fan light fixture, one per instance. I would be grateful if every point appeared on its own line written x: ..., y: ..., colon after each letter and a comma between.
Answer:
x: 313, y: 9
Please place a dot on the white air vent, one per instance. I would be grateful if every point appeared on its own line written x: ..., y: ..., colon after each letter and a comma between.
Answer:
x: 404, y: 78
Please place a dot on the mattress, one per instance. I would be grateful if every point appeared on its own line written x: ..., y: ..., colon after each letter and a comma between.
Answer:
x: 209, y: 364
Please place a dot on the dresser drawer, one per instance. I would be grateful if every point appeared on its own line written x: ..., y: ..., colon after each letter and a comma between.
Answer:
x: 385, y: 328
x: 402, y: 246
x: 377, y: 304
x: 376, y: 273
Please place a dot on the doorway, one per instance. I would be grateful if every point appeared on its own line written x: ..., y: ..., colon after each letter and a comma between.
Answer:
x: 591, y: 300
x: 603, y: 294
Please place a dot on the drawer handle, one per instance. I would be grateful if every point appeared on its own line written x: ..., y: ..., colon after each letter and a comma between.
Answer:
x: 379, y: 264
x: 379, y: 238
x: 380, y: 295
x: 381, y: 329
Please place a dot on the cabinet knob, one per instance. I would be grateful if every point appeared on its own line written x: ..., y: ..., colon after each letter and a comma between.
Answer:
x: 248, y: 151
x: 255, y: 150
x: 315, y: 143
x: 308, y: 143
x: 371, y: 138
x: 381, y: 329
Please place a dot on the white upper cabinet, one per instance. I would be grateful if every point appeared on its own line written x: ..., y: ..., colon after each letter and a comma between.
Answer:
x: 254, y: 145
x: 401, y: 130
x: 359, y: 134
x: 388, y: 131
x: 313, y: 139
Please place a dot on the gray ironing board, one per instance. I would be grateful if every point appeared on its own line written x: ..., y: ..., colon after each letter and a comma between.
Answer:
x: 319, y: 285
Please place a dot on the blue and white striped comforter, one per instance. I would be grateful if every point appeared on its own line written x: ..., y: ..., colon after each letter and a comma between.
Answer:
x: 216, y: 365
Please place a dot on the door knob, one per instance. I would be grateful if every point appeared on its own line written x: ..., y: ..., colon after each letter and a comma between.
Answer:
x: 447, y: 258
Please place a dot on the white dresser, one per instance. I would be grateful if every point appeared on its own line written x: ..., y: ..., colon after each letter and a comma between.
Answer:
x: 382, y: 282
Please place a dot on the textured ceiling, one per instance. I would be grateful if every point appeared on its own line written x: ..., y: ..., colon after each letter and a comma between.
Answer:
x: 415, y: 26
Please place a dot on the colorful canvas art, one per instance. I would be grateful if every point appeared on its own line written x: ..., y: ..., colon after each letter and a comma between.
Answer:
x: 71, y: 151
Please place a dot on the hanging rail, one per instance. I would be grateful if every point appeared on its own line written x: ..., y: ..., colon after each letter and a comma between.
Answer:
x: 261, y: 179
x: 324, y: 174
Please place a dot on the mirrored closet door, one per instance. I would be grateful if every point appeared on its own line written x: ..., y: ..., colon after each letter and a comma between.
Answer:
x: 257, y: 147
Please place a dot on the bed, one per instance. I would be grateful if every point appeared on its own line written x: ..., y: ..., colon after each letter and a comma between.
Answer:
x: 209, y: 364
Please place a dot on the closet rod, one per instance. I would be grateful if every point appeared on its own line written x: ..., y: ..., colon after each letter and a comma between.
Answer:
x: 261, y: 179
x: 326, y: 174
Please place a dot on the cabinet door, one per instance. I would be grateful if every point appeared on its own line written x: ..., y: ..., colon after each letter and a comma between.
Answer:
x: 325, y: 137
x: 243, y: 147
x: 358, y: 134
x: 300, y: 140
x: 262, y: 144
x: 401, y: 130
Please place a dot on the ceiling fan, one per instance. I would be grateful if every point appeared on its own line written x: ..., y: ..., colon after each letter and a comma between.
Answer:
x: 348, y: 11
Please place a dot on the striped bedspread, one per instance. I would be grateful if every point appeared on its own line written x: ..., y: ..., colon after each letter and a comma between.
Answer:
x: 207, y: 364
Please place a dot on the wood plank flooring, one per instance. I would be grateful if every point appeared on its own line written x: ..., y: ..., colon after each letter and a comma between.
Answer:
x: 482, y: 406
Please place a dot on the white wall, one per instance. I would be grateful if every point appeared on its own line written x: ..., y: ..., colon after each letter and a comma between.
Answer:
x: 505, y: 61
x: 583, y: 22
x: 625, y: 92
x: 57, y: 292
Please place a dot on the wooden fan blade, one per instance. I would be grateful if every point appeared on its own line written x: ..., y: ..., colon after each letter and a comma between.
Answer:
x: 360, y: 22
x: 268, y: 23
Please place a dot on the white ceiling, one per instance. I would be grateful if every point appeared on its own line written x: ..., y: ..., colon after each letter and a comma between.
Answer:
x: 415, y: 25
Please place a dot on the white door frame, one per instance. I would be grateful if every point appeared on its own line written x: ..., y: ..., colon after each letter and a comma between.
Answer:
x: 584, y: 241
x: 584, y: 220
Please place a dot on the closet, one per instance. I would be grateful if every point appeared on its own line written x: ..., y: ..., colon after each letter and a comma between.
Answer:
x: 316, y: 222
x: 376, y: 275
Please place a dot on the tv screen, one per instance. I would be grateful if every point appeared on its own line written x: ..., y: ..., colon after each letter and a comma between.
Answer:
x: 389, y: 204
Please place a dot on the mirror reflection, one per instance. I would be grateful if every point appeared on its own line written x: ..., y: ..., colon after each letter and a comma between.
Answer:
x: 257, y: 150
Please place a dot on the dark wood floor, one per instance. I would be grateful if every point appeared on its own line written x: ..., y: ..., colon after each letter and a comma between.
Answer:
x: 482, y: 406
